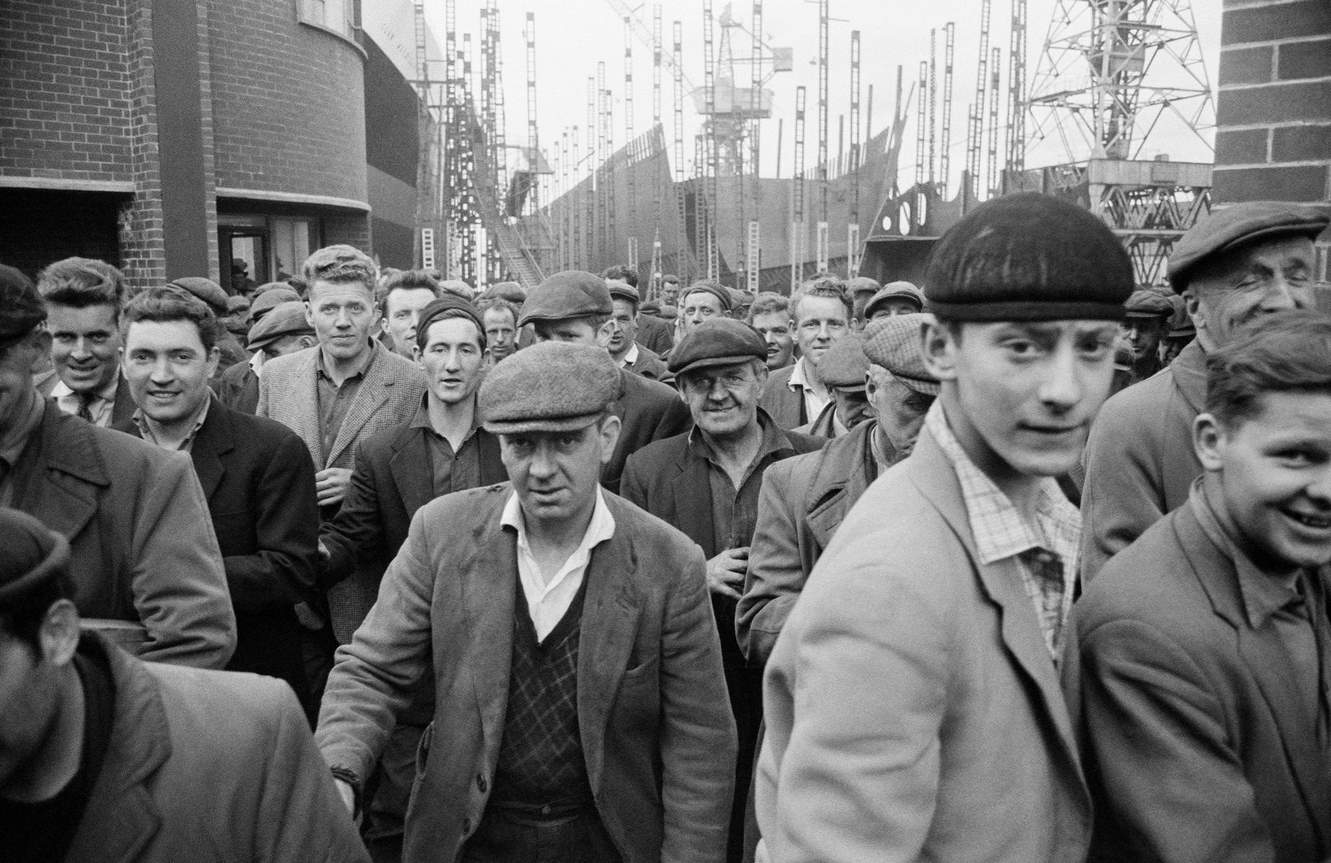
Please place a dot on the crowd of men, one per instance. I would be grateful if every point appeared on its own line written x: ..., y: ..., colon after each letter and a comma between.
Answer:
x: 1028, y: 565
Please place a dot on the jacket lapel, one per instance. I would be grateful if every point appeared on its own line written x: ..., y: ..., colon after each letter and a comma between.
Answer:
x: 407, y: 465
x: 123, y: 407
x: 370, y: 395
x: 490, y: 582
x: 65, y: 502
x: 692, y: 498
x: 214, y: 439
x: 302, y: 414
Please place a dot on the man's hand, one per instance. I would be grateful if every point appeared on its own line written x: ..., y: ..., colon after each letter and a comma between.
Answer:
x: 725, y: 572
x: 348, y: 794
x: 330, y: 484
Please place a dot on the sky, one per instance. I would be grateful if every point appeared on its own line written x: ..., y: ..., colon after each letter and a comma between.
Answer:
x: 573, y: 35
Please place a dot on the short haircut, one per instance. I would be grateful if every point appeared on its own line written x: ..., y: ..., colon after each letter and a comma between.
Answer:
x: 502, y: 305
x: 164, y: 305
x: 406, y: 280
x: 340, y: 264
x: 622, y: 272
x: 82, y: 282
x: 768, y: 302
x: 823, y: 286
x: 1286, y: 351
x: 423, y: 333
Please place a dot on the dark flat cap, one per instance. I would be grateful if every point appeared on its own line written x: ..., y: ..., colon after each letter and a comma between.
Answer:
x: 21, y: 307
x: 237, y: 303
x: 510, y: 291
x: 205, y: 289
x: 716, y: 342
x: 844, y: 364
x: 1149, y: 303
x: 31, y: 555
x: 861, y: 285
x: 1239, y: 224
x: 436, y: 309
x: 623, y: 291
x: 550, y: 386
x: 717, y: 291
x: 284, y: 319
x: 570, y: 294
x: 894, y: 291
x: 897, y: 344
x: 1180, y: 322
x: 271, y: 298
x: 1028, y: 257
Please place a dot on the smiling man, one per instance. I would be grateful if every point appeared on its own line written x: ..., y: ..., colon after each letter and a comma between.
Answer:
x: 820, y: 313
x: 770, y: 316
x: 1202, y: 664
x: 912, y: 701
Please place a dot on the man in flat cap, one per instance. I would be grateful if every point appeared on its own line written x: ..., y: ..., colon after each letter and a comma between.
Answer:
x: 703, y: 301
x: 820, y: 313
x: 575, y: 306
x: 624, y: 347
x: 401, y: 298
x: 896, y: 298
x: 653, y: 333
x: 843, y: 370
x: 1231, y: 267
x: 144, y: 558
x: 912, y: 700
x: 282, y: 329
x: 228, y: 346
x: 104, y: 757
x: 861, y: 290
x: 1145, y: 324
x: 255, y: 475
x: 579, y: 705
x: 705, y: 482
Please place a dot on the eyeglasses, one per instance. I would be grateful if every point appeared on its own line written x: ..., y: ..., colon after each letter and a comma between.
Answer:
x: 702, y: 383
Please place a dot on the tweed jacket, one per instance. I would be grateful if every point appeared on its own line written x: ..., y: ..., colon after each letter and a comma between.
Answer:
x: 655, y: 334
x: 804, y: 500
x: 649, y: 411
x: 655, y: 730
x: 142, y: 546
x: 913, y: 711
x: 121, y: 409
x: 1139, y: 458
x: 210, y: 767
x: 238, y: 387
x: 1196, y: 741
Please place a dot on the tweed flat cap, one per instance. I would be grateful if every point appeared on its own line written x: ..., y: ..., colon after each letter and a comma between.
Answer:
x: 21, y: 307
x: 205, y: 289
x: 862, y: 285
x: 623, y: 291
x: 550, y: 386
x: 284, y: 319
x: 31, y: 555
x: 270, y: 299
x: 1028, y: 257
x: 1149, y: 303
x: 237, y: 303
x: 570, y: 294
x: 715, y: 290
x: 716, y: 342
x: 844, y: 364
x: 897, y: 344
x: 1239, y: 224
x: 435, y: 309
x: 895, y: 291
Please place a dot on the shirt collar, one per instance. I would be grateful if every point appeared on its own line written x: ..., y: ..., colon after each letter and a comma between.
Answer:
x: 599, y: 529
x: 631, y: 357
x: 999, y: 529
x: 797, y: 380
x: 421, y: 419
x: 366, y: 362
x: 107, y: 393
x: 774, y: 440
x: 146, y: 432
x: 257, y: 361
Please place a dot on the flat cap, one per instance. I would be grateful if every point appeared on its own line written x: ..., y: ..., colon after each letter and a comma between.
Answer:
x: 510, y: 291
x: 569, y: 294
x: 716, y: 342
x: 844, y: 364
x: 1028, y: 257
x: 284, y: 319
x: 21, y: 307
x: 651, y: 307
x: 862, y: 285
x: 457, y: 288
x: 895, y: 291
x: 237, y: 303
x: 31, y: 555
x: 205, y: 289
x: 1149, y: 303
x: 271, y: 298
x: 717, y: 291
x: 897, y: 344
x: 1180, y: 322
x: 739, y: 299
x: 1226, y: 229
x: 436, y: 309
x: 550, y: 386
x: 623, y: 291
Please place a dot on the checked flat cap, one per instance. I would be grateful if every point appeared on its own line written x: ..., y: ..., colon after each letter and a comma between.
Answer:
x: 570, y: 294
x: 896, y: 344
x: 1149, y: 303
x: 844, y: 364
x: 895, y: 291
x: 716, y: 342
x: 1243, y: 223
x: 550, y: 386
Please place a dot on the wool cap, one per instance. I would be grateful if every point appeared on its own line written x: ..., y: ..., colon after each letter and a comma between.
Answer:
x: 205, y: 289
x: 624, y: 291
x: 270, y: 299
x: 550, y: 386
x: 1149, y: 303
x: 715, y: 290
x: 284, y: 319
x: 1028, y: 257
x: 569, y: 294
x: 897, y: 344
x: 844, y: 364
x: 716, y: 342
x: 1237, y: 225
x: 21, y: 307
x: 31, y: 555
x: 863, y: 285
x: 894, y: 291
x: 435, y: 309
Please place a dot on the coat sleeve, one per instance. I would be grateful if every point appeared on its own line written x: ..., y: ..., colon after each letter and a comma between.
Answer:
x: 776, y: 572
x: 1121, y: 495
x: 179, y: 583
x: 356, y: 533
x: 1167, y: 782
x: 632, y: 483
x: 698, y: 732
x: 285, y: 515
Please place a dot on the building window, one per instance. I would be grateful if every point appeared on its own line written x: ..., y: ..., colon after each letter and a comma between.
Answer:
x: 339, y: 16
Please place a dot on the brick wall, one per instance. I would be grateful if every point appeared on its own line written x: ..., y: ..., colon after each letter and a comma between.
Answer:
x: 1274, y: 105
x: 142, y: 242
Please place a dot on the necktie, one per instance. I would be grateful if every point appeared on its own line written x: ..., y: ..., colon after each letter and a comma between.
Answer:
x: 85, y: 412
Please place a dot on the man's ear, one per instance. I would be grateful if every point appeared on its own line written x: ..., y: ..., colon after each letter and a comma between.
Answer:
x: 940, y: 350
x: 609, y: 432
x: 59, y: 632
x: 1208, y: 441
x: 605, y: 332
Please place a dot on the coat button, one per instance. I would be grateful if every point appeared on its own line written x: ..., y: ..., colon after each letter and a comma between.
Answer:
x: 481, y: 783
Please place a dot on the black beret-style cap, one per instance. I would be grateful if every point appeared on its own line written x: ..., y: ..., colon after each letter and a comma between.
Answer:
x: 1028, y: 257
x: 716, y: 342
x: 727, y: 302
x: 21, y: 307
x: 30, y: 555
x: 435, y: 309
x: 570, y: 294
x: 550, y: 386
x: 1238, y: 225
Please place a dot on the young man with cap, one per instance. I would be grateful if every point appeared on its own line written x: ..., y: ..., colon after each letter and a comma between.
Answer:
x: 770, y: 316
x: 83, y: 299
x: 705, y: 482
x: 704, y: 301
x: 107, y: 758
x: 896, y: 298
x: 283, y: 329
x: 804, y: 499
x: 913, y: 702
x: 843, y: 370
x: 624, y: 347
x: 653, y: 333
x: 861, y: 290
x: 145, y: 561
x: 1235, y: 265
x: 820, y: 312
x: 1148, y: 313
x: 575, y: 306
x: 579, y: 707
x: 212, y: 295
x: 1199, y: 674
x: 255, y: 475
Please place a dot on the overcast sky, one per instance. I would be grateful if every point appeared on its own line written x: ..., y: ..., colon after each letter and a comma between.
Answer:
x: 572, y: 35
